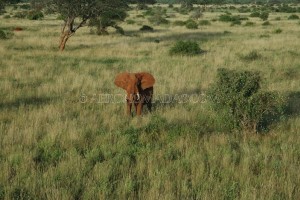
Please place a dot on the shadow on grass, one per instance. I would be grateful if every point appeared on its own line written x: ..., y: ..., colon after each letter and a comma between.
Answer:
x: 292, y: 108
x: 198, y: 36
x: 188, y: 96
x: 26, y: 101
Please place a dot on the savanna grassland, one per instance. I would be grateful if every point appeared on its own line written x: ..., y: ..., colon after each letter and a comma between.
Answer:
x: 60, y: 140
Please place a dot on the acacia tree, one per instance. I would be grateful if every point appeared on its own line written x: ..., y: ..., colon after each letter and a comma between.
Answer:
x: 81, y: 10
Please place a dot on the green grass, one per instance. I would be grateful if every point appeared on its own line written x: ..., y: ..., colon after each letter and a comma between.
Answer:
x: 58, y: 141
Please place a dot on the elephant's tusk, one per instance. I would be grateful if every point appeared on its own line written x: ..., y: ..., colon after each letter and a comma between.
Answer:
x: 138, y: 96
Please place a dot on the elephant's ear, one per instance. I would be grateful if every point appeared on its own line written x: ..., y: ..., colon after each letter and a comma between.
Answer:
x: 122, y: 79
x: 147, y: 80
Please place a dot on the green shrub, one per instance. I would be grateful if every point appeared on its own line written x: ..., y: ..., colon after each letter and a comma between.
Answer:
x: 179, y: 23
x: 264, y: 16
x: 277, y: 31
x: 35, y: 15
x: 264, y: 36
x: 204, y: 23
x: 293, y: 17
x: 249, y: 24
x: 191, y: 24
x: 4, y: 34
x: 236, y: 22
x: 228, y: 18
x: 6, y: 16
x: 239, y: 93
x: 255, y: 14
x: 225, y: 18
x: 130, y: 21
x: 277, y: 18
x: 187, y: 48
x: 146, y: 28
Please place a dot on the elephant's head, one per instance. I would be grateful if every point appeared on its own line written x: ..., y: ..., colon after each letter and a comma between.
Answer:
x: 134, y: 83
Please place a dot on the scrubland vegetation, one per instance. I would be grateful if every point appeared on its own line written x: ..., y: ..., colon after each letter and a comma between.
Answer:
x: 63, y: 136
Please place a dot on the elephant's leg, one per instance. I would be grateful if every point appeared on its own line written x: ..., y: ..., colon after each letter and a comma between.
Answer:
x: 129, y: 105
x: 139, y: 108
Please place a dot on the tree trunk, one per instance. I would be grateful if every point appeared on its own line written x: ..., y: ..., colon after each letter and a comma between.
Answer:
x: 66, y: 32
x: 63, y: 40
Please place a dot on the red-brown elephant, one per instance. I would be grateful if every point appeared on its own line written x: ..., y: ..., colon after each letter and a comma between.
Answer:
x: 139, y: 88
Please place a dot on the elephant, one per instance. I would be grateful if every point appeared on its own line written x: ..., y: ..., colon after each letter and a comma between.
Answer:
x: 139, y: 88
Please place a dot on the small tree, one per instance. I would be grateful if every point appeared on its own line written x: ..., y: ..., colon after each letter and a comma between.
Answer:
x: 239, y: 93
x: 83, y: 10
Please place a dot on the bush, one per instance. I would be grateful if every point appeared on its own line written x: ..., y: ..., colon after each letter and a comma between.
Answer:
x: 225, y: 18
x: 264, y: 16
x: 204, y: 23
x: 228, y: 18
x: 187, y: 48
x: 191, y: 24
x: 35, y: 15
x: 239, y: 93
x: 293, y: 17
x: 237, y: 22
x: 255, y: 14
x: 179, y: 23
x: 249, y: 24
x: 277, y: 31
x: 130, y: 21
x: 2, y: 35
x: 5, y: 34
x: 226, y: 32
x: 277, y: 18
x: 146, y: 28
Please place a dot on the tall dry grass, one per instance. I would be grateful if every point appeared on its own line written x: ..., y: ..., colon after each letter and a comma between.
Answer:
x: 53, y: 146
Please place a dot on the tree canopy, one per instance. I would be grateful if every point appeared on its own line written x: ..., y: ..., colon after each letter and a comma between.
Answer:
x: 83, y: 10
